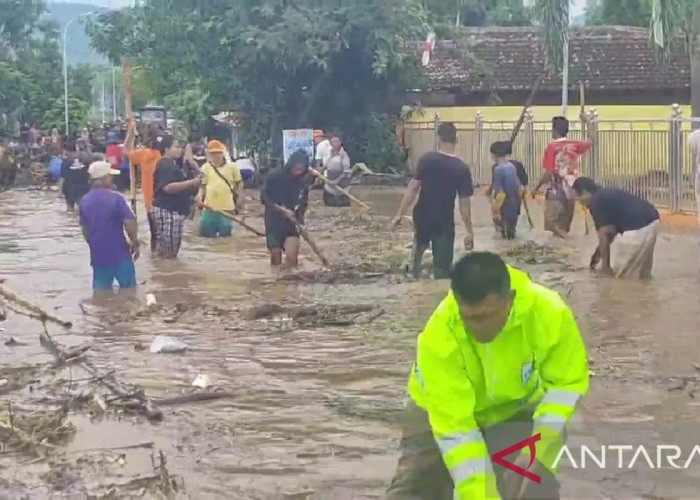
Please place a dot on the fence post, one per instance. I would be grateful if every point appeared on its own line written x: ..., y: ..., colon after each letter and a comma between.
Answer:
x: 530, y: 153
x: 479, y: 128
x: 675, y: 153
x: 436, y: 124
x: 594, y: 160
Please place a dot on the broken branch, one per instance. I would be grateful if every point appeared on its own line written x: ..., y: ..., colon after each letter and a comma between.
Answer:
x: 13, y: 297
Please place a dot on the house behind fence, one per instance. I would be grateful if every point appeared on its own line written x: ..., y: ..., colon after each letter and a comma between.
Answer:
x: 649, y: 158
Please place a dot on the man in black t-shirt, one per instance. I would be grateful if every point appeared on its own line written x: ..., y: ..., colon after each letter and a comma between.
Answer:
x: 631, y: 222
x: 440, y: 177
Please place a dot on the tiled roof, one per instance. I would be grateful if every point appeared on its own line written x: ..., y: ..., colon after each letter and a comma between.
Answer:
x: 603, y: 57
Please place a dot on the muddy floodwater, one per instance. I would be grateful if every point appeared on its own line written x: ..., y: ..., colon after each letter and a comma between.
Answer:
x: 316, y: 384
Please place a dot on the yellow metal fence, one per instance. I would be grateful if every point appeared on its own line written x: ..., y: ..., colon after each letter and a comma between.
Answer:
x: 649, y: 158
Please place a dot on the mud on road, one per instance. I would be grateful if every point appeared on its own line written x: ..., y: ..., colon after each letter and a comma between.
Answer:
x: 307, y: 372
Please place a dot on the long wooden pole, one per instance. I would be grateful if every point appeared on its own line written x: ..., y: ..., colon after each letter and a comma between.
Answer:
x: 11, y: 296
x: 302, y: 232
x: 535, y: 87
x: 582, y: 99
x: 237, y: 220
x: 128, y: 106
x: 326, y: 179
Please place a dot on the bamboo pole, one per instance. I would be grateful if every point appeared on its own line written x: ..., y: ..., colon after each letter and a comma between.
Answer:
x: 535, y: 87
x: 128, y: 105
x: 302, y: 232
x: 237, y: 220
x: 326, y: 179
x: 11, y: 296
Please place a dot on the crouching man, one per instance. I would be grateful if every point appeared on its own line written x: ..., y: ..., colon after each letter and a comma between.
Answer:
x: 627, y: 228
x: 500, y: 360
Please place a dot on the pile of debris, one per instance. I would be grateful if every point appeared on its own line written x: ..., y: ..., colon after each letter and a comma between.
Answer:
x: 536, y: 254
x: 314, y: 316
x: 35, y: 432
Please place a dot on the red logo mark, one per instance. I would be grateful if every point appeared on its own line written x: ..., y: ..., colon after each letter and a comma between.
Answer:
x: 499, y: 458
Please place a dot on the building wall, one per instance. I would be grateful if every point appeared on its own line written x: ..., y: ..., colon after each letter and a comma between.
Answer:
x: 625, y: 114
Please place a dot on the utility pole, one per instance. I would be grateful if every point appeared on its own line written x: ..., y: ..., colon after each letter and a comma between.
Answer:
x: 114, y: 94
x: 104, y: 104
x: 565, y: 77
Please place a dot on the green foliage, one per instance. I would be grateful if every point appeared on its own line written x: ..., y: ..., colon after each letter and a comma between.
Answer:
x: 192, y: 106
x: 620, y: 12
x: 331, y: 64
x: 478, y: 12
x: 55, y: 115
x: 31, y: 81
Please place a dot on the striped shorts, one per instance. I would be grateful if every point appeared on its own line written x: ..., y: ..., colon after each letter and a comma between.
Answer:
x: 169, y: 229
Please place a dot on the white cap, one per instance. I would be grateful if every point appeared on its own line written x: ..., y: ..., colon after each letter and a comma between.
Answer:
x: 99, y: 169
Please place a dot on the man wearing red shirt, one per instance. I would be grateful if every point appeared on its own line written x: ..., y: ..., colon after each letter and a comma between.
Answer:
x: 113, y: 154
x: 560, y: 163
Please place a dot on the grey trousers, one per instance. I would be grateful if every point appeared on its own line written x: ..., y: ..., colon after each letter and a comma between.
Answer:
x: 421, y: 474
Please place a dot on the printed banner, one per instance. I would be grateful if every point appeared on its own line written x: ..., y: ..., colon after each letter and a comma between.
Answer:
x: 297, y: 139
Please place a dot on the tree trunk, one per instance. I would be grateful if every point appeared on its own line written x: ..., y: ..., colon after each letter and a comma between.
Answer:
x: 695, y: 65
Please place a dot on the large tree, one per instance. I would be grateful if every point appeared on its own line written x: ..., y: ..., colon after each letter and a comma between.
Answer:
x: 30, y: 65
x: 278, y: 64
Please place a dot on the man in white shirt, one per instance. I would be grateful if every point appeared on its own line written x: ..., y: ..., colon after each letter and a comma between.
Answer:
x: 323, y: 148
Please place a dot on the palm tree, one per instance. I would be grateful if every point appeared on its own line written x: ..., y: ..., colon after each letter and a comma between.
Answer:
x: 669, y: 18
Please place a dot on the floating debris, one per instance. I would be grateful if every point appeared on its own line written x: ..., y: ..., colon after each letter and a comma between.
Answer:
x: 318, y: 314
x: 35, y: 432
x: 380, y: 409
x: 534, y: 253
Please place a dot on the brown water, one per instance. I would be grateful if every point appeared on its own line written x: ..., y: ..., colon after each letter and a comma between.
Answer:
x: 317, y: 414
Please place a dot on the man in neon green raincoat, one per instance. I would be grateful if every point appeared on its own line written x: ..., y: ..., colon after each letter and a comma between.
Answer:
x: 501, y: 359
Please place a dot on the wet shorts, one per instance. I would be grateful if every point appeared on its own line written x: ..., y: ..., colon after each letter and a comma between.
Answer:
x: 125, y: 274
x: 275, y: 241
x: 212, y: 225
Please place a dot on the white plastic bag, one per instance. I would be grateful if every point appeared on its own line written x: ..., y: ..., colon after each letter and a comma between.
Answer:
x: 167, y: 345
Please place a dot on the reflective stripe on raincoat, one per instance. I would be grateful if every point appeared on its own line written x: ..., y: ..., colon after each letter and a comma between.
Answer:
x: 537, y: 362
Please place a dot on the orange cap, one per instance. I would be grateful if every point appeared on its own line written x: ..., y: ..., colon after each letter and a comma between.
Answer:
x: 216, y: 147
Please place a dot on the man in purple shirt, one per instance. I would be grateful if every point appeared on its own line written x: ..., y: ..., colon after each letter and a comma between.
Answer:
x: 104, y: 217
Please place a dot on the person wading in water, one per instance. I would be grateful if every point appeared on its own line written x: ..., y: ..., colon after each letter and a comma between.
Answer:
x: 560, y: 163
x: 174, y: 196
x: 337, y: 170
x: 146, y: 159
x: 222, y: 190
x: 440, y: 176
x: 75, y: 180
x: 104, y: 218
x: 286, y: 186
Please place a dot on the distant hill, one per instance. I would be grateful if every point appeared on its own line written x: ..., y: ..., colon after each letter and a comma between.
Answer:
x: 78, y: 42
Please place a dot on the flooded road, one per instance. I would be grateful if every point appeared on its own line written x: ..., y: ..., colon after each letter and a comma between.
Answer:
x: 316, y: 412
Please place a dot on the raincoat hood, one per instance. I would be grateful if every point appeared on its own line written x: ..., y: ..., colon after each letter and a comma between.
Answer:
x: 298, y: 157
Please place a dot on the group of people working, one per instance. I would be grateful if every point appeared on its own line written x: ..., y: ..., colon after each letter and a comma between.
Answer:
x: 501, y: 360
x: 626, y: 225
x: 173, y: 183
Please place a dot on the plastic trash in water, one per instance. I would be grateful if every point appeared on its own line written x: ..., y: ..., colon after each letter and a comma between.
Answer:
x: 167, y: 345
x: 150, y: 300
x: 202, y: 381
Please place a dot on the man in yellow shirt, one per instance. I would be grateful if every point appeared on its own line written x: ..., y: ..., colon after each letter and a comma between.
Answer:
x: 222, y: 191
